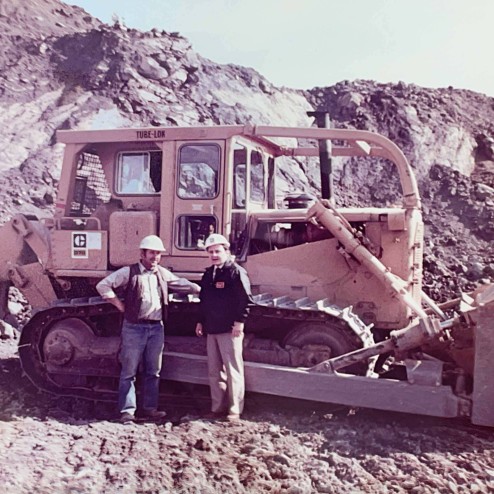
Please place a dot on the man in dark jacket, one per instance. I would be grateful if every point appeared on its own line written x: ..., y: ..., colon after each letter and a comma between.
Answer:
x: 146, y: 286
x: 225, y: 296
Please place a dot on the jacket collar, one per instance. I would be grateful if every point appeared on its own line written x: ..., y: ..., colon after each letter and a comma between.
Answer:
x: 227, y: 263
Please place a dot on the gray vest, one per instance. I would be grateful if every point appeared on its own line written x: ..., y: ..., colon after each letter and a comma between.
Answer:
x: 135, y: 290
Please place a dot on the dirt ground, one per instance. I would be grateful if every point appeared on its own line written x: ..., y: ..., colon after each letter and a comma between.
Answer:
x: 62, y: 445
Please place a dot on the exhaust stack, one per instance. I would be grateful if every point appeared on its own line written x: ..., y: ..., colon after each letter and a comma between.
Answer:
x: 323, y: 122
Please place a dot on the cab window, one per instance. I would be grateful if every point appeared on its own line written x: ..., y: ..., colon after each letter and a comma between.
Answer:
x: 90, y: 187
x: 192, y: 231
x: 139, y: 173
x: 198, y: 171
x: 257, y: 188
x: 239, y: 176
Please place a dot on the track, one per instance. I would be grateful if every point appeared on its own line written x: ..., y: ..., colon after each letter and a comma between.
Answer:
x: 71, y: 348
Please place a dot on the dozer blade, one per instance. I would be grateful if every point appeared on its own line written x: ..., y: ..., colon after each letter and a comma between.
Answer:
x: 483, y: 386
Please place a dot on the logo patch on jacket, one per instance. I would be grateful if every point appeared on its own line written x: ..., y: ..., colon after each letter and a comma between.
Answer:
x: 220, y: 284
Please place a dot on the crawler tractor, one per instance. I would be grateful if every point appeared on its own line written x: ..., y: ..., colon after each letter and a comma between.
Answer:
x: 339, y: 314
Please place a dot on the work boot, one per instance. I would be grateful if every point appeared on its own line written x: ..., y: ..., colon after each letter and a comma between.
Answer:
x: 127, y: 418
x: 215, y: 415
x: 154, y: 414
x: 233, y: 417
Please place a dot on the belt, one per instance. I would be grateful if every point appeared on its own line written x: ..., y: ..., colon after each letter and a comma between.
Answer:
x: 148, y: 321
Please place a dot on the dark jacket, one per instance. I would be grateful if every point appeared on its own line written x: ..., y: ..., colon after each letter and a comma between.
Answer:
x: 225, y: 299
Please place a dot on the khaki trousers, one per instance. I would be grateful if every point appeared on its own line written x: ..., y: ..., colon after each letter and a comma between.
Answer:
x: 226, y: 372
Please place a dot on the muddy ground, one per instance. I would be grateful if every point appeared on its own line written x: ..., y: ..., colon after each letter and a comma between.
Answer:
x: 61, y: 445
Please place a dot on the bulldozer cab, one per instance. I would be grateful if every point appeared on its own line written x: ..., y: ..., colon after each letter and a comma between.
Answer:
x: 183, y: 185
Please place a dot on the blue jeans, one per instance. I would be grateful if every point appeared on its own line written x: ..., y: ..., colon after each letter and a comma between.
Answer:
x: 140, y: 342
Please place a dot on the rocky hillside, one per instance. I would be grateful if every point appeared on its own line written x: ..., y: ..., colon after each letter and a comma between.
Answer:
x: 448, y: 137
x: 61, y: 68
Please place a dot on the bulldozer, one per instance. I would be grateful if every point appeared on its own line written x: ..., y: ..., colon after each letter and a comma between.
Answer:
x: 339, y: 314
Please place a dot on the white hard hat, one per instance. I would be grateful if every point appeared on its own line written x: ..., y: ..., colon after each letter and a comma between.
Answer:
x: 216, y: 239
x: 152, y: 242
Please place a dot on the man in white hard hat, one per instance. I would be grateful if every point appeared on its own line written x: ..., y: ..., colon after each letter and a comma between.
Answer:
x: 145, y: 286
x: 225, y: 297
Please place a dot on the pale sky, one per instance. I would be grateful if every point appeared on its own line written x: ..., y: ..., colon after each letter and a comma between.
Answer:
x: 306, y: 43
